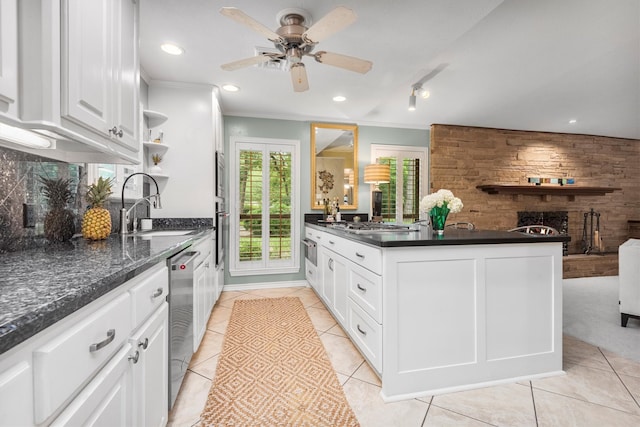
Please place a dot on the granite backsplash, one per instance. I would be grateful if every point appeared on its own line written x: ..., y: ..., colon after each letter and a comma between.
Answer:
x: 19, y: 186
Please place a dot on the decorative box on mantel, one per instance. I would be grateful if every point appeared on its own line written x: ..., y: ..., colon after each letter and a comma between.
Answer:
x: 546, y: 191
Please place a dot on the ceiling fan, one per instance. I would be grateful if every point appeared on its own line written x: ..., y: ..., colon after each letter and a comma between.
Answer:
x: 294, y: 40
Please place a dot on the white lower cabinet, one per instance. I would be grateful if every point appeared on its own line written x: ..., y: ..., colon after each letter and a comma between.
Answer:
x: 107, y: 400
x: 150, y: 360
x: 199, y: 304
x: 98, y: 366
x: 311, y: 274
x: 212, y: 289
x: 204, y: 288
x: 352, y: 292
x: 64, y: 363
x: 15, y: 384
x: 334, y: 283
x: 366, y: 333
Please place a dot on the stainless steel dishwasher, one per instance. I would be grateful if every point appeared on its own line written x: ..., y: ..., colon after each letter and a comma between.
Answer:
x: 181, y: 267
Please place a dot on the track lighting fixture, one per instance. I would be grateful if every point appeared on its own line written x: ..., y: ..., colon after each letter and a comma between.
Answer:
x: 418, y: 90
x: 412, y: 100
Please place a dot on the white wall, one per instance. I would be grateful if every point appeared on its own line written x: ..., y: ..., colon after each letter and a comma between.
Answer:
x: 189, y: 132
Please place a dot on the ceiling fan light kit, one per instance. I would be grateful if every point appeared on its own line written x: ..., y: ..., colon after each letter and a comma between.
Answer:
x: 293, y: 40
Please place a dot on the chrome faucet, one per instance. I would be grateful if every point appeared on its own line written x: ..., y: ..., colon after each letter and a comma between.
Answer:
x: 124, y: 213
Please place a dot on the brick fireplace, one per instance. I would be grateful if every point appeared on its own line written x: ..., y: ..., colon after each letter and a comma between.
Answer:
x: 464, y: 157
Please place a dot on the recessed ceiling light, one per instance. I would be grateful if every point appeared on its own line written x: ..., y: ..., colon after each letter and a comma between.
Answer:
x: 339, y: 98
x: 230, y: 88
x: 572, y: 121
x: 172, y: 49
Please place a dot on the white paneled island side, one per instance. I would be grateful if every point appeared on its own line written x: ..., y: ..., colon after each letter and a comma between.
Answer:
x: 440, y: 314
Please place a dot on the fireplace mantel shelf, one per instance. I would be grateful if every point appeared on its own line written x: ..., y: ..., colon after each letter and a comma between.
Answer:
x: 546, y: 190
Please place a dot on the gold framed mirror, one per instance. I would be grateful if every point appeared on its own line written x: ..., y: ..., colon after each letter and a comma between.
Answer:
x: 334, y: 164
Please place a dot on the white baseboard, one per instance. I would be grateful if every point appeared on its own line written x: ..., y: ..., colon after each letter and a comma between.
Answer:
x: 266, y: 285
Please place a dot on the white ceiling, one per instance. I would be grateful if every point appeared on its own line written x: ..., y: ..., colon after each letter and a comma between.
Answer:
x: 514, y: 64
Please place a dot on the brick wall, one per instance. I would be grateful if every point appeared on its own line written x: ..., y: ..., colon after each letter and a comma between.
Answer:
x: 463, y: 157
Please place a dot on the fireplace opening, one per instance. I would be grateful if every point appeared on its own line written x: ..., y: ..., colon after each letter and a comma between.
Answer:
x: 556, y: 219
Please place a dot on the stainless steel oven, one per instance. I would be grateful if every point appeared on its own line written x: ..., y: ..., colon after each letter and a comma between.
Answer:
x: 220, y: 174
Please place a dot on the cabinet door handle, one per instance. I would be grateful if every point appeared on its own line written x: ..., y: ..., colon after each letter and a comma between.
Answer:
x: 359, y: 255
x: 111, y: 334
x: 114, y: 130
x: 135, y: 357
x: 157, y: 293
x: 361, y: 288
x: 144, y: 344
x: 331, y: 264
x: 361, y: 331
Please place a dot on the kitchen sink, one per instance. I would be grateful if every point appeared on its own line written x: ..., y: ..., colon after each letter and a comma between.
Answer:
x: 159, y: 233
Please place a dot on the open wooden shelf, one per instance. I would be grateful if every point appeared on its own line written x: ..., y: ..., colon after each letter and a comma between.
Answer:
x: 545, y: 191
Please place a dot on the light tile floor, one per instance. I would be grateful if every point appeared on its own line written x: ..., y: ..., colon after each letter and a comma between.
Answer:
x: 599, y: 388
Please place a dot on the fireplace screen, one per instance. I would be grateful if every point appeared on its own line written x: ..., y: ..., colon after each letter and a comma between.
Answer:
x: 556, y: 219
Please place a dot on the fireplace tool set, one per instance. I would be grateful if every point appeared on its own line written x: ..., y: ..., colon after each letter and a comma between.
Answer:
x: 591, y: 238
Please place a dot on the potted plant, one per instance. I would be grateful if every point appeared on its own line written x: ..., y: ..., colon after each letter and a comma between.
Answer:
x: 156, y: 161
x: 59, y: 223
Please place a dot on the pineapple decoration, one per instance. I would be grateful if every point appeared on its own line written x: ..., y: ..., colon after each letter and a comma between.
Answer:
x: 96, y: 223
x: 59, y: 223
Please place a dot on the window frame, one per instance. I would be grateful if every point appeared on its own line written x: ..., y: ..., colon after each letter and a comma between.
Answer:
x: 403, y: 152
x: 265, y: 265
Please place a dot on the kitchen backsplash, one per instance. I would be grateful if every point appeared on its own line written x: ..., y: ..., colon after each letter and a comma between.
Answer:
x: 19, y: 186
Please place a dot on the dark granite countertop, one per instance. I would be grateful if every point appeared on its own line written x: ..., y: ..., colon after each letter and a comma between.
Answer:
x: 424, y: 237
x: 38, y: 287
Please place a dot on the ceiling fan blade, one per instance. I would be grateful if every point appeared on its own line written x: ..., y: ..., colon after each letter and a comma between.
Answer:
x: 350, y: 63
x: 244, y: 19
x: 299, y: 77
x: 334, y: 21
x: 247, y: 62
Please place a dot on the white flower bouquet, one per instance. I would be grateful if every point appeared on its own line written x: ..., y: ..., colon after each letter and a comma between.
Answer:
x: 441, y: 199
x: 438, y: 205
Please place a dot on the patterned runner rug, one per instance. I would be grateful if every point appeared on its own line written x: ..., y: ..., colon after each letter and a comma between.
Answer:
x: 273, y: 371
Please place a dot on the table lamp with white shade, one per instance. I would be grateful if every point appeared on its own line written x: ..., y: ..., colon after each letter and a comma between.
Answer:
x: 376, y: 174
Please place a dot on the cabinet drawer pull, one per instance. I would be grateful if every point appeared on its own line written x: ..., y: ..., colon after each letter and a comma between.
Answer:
x: 332, y: 242
x: 359, y: 255
x: 331, y: 264
x: 144, y: 344
x: 361, y: 331
x: 157, y: 293
x: 361, y: 288
x: 310, y: 272
x: 135, y: 357
x: 111, y: 334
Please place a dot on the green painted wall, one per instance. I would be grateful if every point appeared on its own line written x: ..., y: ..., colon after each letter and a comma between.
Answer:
x: 301, y: 130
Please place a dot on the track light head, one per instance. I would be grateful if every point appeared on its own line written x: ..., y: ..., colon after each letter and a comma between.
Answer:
x: 412, y: 100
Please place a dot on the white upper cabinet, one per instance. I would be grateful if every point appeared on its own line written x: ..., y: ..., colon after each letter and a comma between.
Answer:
x: 79, y: 77
x: 86, y: 52
x: 8, y: 57
x: 100, y: 68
